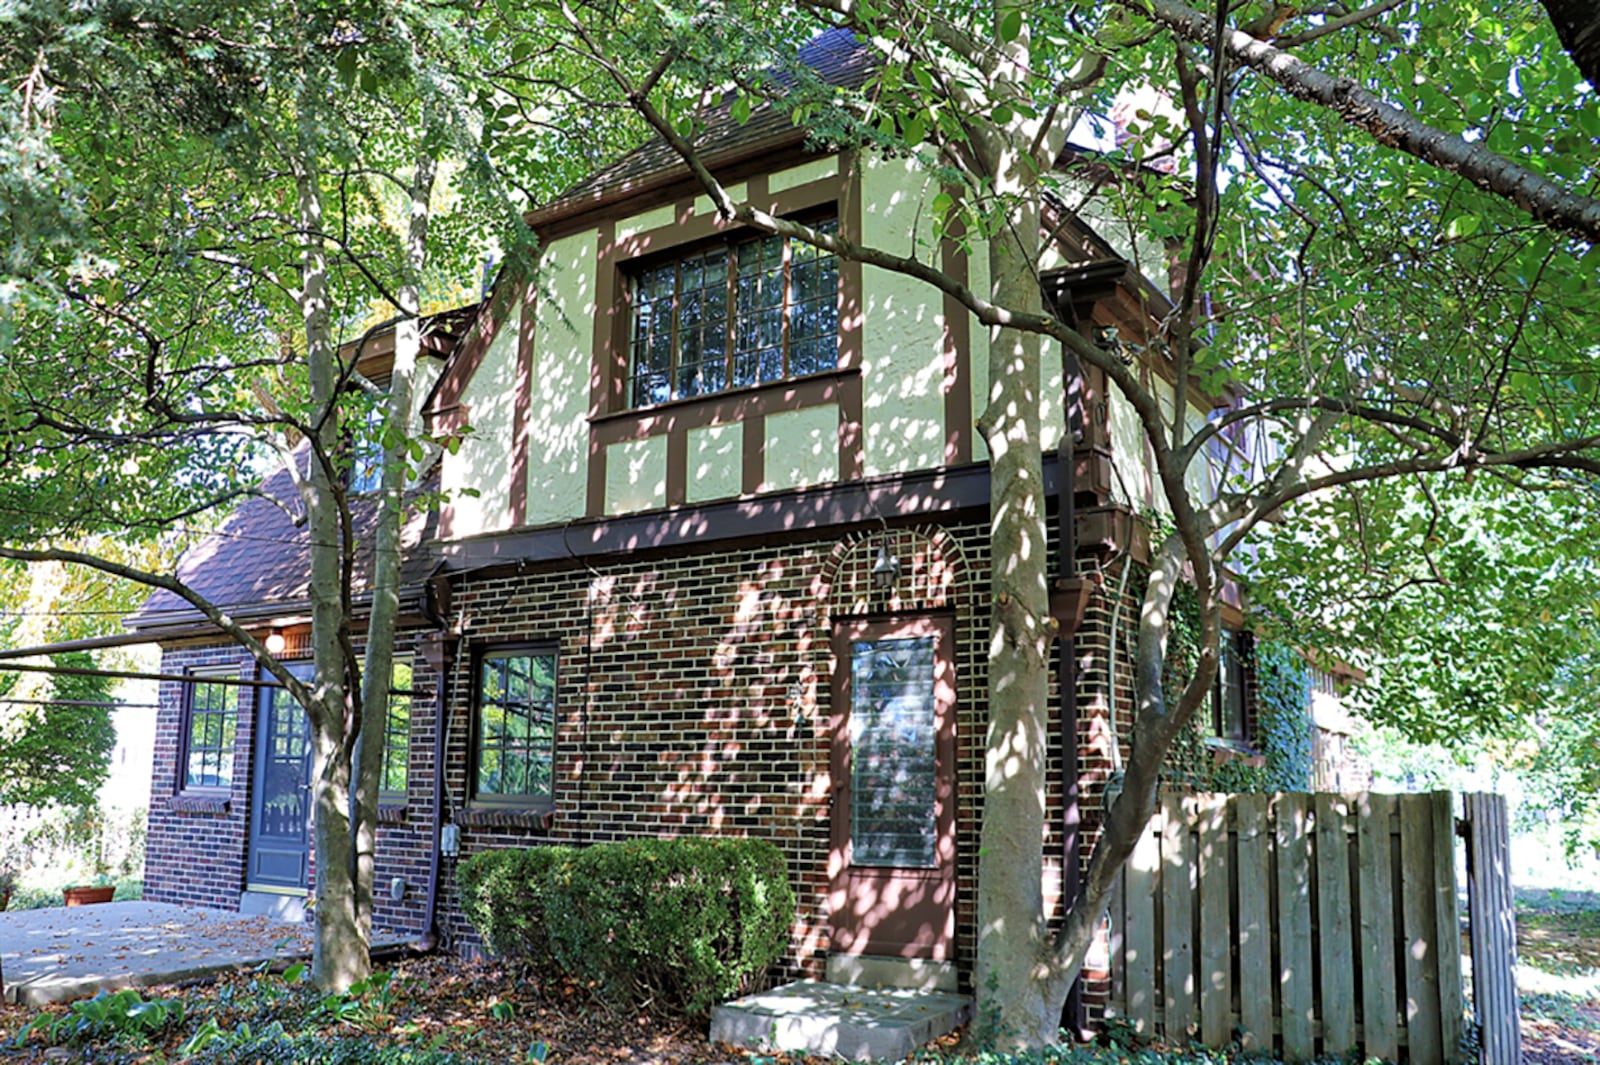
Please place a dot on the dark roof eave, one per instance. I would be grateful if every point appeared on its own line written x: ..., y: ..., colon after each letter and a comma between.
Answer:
x: 165, y: 623
x: 606, y: 195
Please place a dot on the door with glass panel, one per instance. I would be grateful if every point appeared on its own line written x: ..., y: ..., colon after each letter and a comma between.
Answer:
x: 893, y: 771
x: 280, y: 803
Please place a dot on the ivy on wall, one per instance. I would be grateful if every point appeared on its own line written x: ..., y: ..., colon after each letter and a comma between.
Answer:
x: 1281, y: 727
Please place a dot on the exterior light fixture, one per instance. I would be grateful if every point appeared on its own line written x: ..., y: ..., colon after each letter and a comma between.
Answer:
x: 886, y: 570
x: 275, y: 643
x: 1107, y: 339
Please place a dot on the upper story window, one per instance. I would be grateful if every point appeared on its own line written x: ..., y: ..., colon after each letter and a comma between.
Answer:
x: 737, y: 313
x: 209, y: 735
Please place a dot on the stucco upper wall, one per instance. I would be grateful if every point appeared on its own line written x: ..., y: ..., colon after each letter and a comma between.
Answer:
x: 482, y: 463
x: 1136, y: 484
x: 911, y: 379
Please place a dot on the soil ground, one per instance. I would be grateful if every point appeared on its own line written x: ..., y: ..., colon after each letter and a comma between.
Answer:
x: 1558, y: 976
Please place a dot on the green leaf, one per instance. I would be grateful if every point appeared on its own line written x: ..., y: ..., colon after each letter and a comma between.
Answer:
x: 1011, y: 25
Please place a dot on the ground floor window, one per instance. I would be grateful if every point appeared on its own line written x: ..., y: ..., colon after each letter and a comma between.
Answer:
x: 514, y: 761
x: 212, y: 721
x: 397, y: 731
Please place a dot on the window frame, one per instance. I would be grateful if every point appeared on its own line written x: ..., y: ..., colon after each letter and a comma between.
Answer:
x: 1232, y: 676
x: 386, y: 794
x: 632, y: 272
x: 197, y: 676
x: 513, y: 802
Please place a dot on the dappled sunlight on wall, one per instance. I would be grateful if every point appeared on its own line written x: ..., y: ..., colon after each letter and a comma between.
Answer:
x: 902, y: 328
x: 484, y: 459
x: 558, y: 430
x: 802, y: 448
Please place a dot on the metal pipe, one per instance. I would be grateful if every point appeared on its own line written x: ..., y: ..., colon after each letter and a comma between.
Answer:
x: 90, y: 643
x: 128, y: 674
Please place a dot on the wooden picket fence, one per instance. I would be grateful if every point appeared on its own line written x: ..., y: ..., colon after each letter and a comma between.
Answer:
x: 1303, y: 924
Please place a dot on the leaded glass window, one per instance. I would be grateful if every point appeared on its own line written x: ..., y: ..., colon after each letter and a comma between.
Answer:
x: 893, y: 730
x: 734, y: 314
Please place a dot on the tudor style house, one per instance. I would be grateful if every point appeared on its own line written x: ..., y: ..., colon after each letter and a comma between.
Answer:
x: 721, y: 570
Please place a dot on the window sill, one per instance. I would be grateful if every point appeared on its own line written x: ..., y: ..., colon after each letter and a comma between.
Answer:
x: 727, y: 397
x: 392, y: 811
x: 1225, y: 749
x: 199, y: 803
x: 539, y: 818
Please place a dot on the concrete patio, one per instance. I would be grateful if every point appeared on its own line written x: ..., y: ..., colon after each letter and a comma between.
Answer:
x: 60, y: 954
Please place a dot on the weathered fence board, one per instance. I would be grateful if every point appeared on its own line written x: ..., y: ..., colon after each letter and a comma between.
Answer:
x: 1420, y: 931
x: 1255, y: 923
x: 1177, y: 908
x: 1451, y: 1001
x: 1216, y: 936
x: 1335, y: 920
x: 1491, y: 910
x: 1308, y: 925
x: 1293, y: 838
x: 1139, y: 936
x: 1380, y: 1038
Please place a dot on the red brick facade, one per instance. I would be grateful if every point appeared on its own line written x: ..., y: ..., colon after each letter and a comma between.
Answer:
x: 195, y: 847
x: 693, y: 697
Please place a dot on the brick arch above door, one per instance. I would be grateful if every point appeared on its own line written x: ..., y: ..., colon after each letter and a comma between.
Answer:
x: 934, y: 575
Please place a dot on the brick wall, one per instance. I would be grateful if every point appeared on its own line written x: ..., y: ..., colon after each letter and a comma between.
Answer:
x: 195, y: 848
x: 693, y: 697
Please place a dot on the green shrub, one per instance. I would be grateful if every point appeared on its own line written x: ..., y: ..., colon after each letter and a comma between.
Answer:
x: 503, y: 894
x: 678, y: 924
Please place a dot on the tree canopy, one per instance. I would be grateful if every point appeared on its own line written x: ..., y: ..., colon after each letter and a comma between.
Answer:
x: 1379, y: 219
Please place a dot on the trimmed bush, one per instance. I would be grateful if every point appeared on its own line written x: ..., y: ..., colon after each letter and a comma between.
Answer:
x: 676, y: 925
x: 504, y: 894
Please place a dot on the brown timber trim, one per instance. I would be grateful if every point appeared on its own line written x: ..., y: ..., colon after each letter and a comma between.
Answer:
x: 852, y: 297
x: 753, y: 453
x: 723, y: 408
x: 794, y: 512
x: 520, y: 414
x: 669, y: 185
x: 957, y: 354
x: 608, y: 375
x: 677, y: 466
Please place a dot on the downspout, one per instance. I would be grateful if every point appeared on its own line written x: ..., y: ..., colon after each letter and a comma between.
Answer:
x: 1072, y: 382
x: 435, y: 606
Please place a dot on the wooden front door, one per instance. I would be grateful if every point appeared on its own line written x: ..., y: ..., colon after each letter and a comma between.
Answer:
x: 893, y: 861
x: 280, y: 804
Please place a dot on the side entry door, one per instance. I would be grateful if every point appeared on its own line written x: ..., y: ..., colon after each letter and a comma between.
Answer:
x: 893, y: 858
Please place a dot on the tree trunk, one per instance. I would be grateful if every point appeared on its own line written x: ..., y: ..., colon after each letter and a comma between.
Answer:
x: 1014, y: 996
x: 372, y: 739
x: 340, y: 956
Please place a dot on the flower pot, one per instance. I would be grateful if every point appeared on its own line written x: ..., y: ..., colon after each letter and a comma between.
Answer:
x: 87, y: 896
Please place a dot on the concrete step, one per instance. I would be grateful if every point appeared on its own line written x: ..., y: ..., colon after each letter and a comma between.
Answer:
x: 291, y: 908
x: 855, y: 1023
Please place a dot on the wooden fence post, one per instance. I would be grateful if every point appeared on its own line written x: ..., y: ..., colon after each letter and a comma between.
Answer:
x: 1491, y: 908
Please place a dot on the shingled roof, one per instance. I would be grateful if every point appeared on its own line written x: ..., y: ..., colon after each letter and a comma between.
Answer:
x: 257, y: 565
x: 836, y: 56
